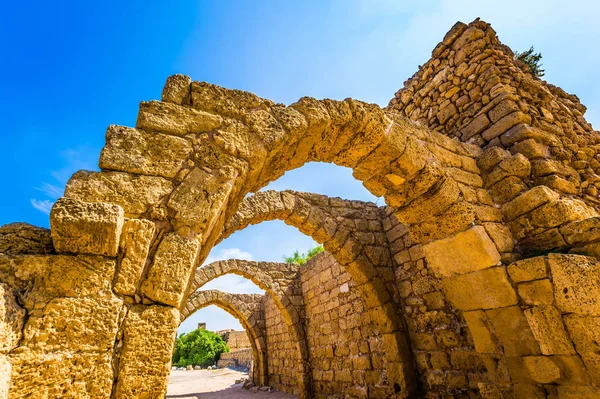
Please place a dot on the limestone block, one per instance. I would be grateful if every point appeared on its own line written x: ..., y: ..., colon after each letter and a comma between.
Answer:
x: 578, y: 392
x: 556, y: 213
x: 483, y: 289
x: 134, y: 193
x: 436, y: 200
x: 145, y: 359
x: 68, y: 276
x: 173, y: 265
x: 528, y: 269
x: 198, y: 201
x: 504, y: 124
x: 136, y: 151
x: 74, y: 324
x: 5, y: 371
x: 542, y: 369
x: 23, y: 238
x: 135, y: 243
x: 156, y: 116
x: 501, y: 235
x: 176, y: 89
x: 576, y: 283
x: 507, y: 189
x: 86, y: 228
x: 64, y: 374
x: 462, y: 253
x: 491, y: 157
x: 11, y: 321
x: 548, y: 329
x: 528, y: 201
x: 513, y: 331
x: 479, y: 327
x: 572, y: 370
x: 524, y: 131
x: 585, y: 332
x: 537, y: 292
x: 582, y: 231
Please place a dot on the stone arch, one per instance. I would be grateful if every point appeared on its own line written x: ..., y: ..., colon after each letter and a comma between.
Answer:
x: 203, y: 148
x: 247, y: 309
x: 276, y: 279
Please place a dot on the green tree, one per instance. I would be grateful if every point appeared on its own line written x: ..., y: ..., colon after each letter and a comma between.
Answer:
x: 302, y: 258
x: 532, y: 60
x: 198, y: 348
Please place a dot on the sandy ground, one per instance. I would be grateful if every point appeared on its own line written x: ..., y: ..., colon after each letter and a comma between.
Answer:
x: 212, y: 384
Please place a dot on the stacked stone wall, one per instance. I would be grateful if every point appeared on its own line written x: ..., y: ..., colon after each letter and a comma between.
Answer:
x: 237, y: 358
x: 282, y: 355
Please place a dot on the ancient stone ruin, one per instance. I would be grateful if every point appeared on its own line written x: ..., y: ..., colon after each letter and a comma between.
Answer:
x: 479, y: 278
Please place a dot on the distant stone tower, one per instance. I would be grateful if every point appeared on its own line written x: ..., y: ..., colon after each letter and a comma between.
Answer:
x: 201, y: 326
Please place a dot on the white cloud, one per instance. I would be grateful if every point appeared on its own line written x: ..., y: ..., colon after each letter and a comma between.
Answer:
x: 228, y: 253
x: 43, y: 206
x: 51, y: 190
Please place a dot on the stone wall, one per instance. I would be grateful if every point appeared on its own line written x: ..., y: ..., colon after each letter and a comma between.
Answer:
x: 282, y: 354
x: 237, y: 358
x: 235, y: 339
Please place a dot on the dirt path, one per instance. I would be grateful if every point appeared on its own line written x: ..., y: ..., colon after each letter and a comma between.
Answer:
x: 213, y: 384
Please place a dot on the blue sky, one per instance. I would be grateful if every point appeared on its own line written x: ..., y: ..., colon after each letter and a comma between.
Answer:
x: 72, y: 68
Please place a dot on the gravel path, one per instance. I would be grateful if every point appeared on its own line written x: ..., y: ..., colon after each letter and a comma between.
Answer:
x: 213, y: 384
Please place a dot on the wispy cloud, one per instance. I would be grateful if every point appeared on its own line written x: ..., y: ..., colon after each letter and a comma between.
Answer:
x: 74, y: 160
x: 43, y: 206
x: 231, y: 282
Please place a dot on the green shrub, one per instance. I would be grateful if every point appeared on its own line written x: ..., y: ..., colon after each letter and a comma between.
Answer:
x: 532, y: 60
x: 198, y: 348
x: 301, y: 259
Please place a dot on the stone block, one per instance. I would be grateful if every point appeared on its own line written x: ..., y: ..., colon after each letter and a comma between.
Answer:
x: 479, y: 327
x: 585, y: 332
x: 156, y: 116
x: 542, y: 369
x: 528, y: 269
x: 198, y: 201
x: 135, y: 243
x: 513, y: 331
x: 548, y: 329
x: 462, y: 253
x: 576, y: 282
x: 517, y: 166
x: 507, y: 189
x: 582, y: 231
x: 501, y: 235
x: 537, y: 292
x: 136, y: 151
x: 484, y: 289
x: 173, y: 265
x: 176, y: 89
x: 5, y: 372
x: 491, y: 157
x: 134, y: 193
x: 23, y: 238
x: 145, y: 359
x: 564, y: 210
x: 504, y: 124
x: 86, y: 228
x: 12, y: 317
x: 578, y: 392
x: 528, y: 201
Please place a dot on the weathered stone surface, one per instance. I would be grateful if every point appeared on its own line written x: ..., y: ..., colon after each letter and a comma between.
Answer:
x: 479, y: 327
x: 5, y: 371
x: 578, y: 392
x: 537, y: 292
x: 517, y: 166
x: 462, y: 253
x: 12, y: 317
x: 576, y: 282
x: 585, y: 332
x: 528, y: 201
x: 582, y: 231
x: 513, y: 331
x: 528, y: 269
x: 176, y: 89
x: 85, y: 227
x: 145, y: 358
x: 548, y: 329
x: 135, y: 194
x: 198, y: 200
x: 542, y: 369
x: 23, y: 238
x: 483, y: 289
x: 135, y: 243
x: 173, y: 265
x: 140, y: 152
x: 156, y: 116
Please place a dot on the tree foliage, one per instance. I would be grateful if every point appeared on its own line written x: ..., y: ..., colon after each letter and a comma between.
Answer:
x: 302, y: 258
x: 198, y: 348
x: 532, y: 59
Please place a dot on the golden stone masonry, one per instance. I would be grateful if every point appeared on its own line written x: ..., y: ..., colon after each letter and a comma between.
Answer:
x: 480, y: 277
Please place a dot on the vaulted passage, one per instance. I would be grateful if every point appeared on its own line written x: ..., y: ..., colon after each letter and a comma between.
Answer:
x: 477, y: 278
